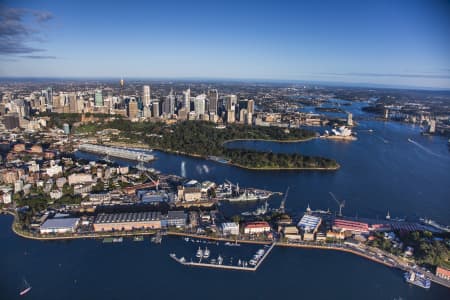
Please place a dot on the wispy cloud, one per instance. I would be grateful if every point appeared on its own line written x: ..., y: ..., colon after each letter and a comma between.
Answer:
x: 39, y: 56
x: 42, y: 16
x: 15, y: 33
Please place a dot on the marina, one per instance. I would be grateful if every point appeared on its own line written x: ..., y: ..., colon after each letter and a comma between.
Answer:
x: 252, y: 265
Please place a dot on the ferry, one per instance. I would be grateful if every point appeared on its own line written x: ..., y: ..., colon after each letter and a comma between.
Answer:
x: 418, y: 279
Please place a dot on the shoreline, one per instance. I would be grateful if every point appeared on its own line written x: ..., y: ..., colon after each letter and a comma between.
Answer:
x: 170, y: 151
x: 345, y: 249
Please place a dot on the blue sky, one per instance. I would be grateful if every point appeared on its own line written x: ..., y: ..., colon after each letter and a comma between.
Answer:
x: 399, y: 43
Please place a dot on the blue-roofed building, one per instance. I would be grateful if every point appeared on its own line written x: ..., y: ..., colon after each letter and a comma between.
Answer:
x: 59, y: 225
x: 309, y: 223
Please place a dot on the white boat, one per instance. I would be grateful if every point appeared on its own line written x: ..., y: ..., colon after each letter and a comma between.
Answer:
x: 220, y: 260
x: 235, y: 244
x: 206, y: 253
x: 199, y: 253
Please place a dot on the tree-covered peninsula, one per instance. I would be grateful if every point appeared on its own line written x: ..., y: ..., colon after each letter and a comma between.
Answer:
x: 205, y: 139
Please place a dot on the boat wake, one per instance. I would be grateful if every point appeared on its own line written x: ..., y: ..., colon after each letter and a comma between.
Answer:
x: 427, y: 150
x: 381, y: 139
x: 183, y: 169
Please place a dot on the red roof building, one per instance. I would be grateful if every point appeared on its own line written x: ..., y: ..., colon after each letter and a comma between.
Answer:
x: 256, y: 227
x: 352, y: 226
x: 443, y: 273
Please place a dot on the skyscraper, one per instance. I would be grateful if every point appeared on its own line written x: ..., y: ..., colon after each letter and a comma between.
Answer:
x: 146, y: 95
x: 199, y: 104
x: 73, y: 107
x: 98, y: 98
x: 213, y: 97
x: 155, y: 109
x: 169, y: 104
x: 133, y: 111
x: 230, y: 102
x: 251, y: 106
x: 187, y: 100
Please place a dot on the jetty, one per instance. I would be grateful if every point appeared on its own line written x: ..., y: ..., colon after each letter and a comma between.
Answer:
x: 183, y: 261
x: 116, y: 152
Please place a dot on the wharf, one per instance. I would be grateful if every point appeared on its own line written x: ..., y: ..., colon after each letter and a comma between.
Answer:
x: 116, y: 152
x: 221, y: 266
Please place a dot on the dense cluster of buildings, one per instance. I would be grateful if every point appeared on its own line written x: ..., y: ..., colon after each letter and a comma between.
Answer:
x: 262, y: 106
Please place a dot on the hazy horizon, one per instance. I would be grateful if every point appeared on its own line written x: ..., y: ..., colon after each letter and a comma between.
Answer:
x: 401, y: 44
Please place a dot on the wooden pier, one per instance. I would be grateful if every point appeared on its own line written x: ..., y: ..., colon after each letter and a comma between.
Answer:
x: 221, y: 266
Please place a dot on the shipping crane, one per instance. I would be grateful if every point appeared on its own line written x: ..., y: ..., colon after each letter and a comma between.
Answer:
x: 340, y: 204
x: 156, y: 183
x: 282, y: 208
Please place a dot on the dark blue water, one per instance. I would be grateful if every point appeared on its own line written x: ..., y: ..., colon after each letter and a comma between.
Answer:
x: 381, y: 171
x: 88, y: 269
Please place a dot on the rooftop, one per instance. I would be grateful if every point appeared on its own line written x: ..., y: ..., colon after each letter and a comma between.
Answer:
x: 60, y: 223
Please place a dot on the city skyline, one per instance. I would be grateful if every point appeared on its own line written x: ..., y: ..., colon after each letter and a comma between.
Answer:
x: 402, y: 44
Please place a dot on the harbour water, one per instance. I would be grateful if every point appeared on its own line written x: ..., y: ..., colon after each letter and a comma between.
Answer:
x: 90, y: 269
x: 381, y: 171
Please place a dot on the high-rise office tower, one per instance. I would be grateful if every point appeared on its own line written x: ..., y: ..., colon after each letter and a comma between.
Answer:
x: 242, y: 115
x: 230, y: 102
x: 98, y: 98
x: 187, y: 100
x: 155, y: 109
x: 133, y: 110
x: 251, y: 106
x: 213, y: 97
x: 231, y: 116
x: 169, y: 104
x: 146, y: 95
x: 199, y: 104
x: 73, y: 107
